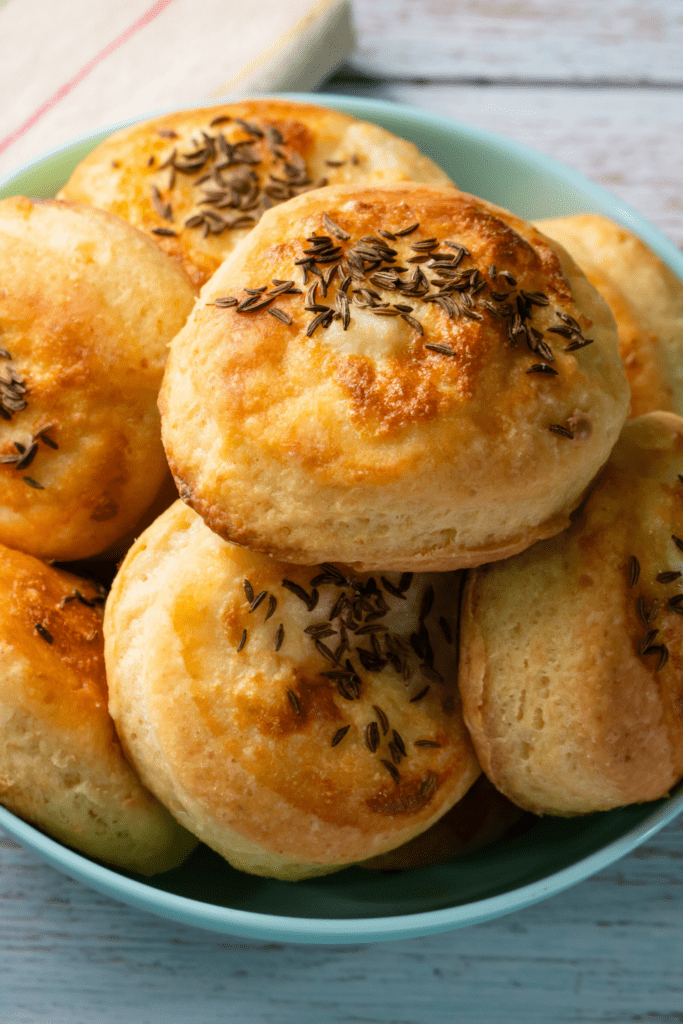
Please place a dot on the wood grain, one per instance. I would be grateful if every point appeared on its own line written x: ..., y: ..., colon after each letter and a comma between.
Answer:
x: 535, y: 40
x: 606, y: 950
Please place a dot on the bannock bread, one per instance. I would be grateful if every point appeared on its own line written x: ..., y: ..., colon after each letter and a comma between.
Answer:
x: 401, y: 377
x: 87, y: 308
x: 199, y: 180
x: 572, y: 652
x: 296, y: 720
x: 61, y: 764
x: 645, y: 297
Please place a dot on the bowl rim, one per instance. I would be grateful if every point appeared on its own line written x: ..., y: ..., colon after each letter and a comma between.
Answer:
x: 253, y: 924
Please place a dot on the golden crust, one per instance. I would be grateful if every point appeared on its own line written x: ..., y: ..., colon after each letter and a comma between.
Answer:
x: 364, y: 445
x: 646, y: 299
x: 314, y: 145
x: 234, y: 730
x: 572, y: 654
x: 87, y: 307
x: 61, y: 764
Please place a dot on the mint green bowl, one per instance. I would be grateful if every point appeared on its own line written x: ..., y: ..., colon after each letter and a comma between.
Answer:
x: 357, y: 905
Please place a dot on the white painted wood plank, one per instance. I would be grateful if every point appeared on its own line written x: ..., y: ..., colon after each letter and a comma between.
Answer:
x: 630, y: 141
x: 606, y: 950
x: 630, y: 40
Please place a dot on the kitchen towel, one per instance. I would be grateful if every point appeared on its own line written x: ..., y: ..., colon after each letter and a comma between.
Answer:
x: 72, y: 67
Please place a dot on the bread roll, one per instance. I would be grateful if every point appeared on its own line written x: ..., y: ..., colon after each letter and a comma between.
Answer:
x: 296, y: 720
x: 481, y: 818
x: 61, y: 764
x: 198, y: 180
x: 572, y: 652
x: 645, y: 297
x: 87, y: 308
x: 429, y: 403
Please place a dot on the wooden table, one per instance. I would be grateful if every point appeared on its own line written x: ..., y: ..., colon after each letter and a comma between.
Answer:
x: 599, y: 86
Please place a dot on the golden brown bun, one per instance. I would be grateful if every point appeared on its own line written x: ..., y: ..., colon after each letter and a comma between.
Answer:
x: 314, y: 146
x: 645, y: 297
x: 61, y: 765
x: 479, y: 819
x: 167, y: 494
x: 572, y: 652
x: 365, y: 445
x: 87, y: 307
x: 240, y: 743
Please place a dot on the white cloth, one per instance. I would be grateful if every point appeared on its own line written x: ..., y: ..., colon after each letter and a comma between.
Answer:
x: 71, y: 67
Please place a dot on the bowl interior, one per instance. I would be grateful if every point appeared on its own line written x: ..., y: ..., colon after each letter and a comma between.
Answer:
x: 550, y: 845
x: 357, y: 904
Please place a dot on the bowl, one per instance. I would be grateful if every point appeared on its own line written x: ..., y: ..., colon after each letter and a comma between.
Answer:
x: 357, y: 905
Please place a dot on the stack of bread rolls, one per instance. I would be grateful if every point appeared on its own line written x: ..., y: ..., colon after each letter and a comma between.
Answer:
x: 385, y: 391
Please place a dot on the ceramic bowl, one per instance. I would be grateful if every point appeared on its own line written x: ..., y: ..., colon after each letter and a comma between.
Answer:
x: 356, y: 905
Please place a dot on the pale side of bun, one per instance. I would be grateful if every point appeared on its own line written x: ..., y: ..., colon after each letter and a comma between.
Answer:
x: 61, y: 764
x: 219, y: 167
x: 290, y: 756
x: 88, y: 306
x: 572, y: 652
x: 429, y: 440
x: 645, y: 297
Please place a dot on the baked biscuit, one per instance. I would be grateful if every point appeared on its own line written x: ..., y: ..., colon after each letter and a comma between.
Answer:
x: 61, y: 764
x: 572, y: 652
x: 482, y: 817
x: 296, y: 720
x: 199, y: 180
x: 87, y: 308
x: 645, y: 297
x: 395, y: 378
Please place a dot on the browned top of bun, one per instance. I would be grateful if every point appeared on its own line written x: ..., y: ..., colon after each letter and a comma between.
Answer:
x: 295, y: 719
x: 417, y: 387
x: 198, y: 180
x: 87, y: 307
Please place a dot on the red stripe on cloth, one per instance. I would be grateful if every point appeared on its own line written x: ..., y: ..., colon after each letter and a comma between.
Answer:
x: 65, y: 89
